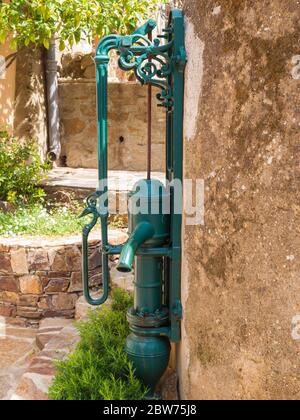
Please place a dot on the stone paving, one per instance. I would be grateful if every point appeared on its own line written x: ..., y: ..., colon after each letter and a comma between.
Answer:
x: 17, y: 348
x: 36, y: 379
x: 27, y: 356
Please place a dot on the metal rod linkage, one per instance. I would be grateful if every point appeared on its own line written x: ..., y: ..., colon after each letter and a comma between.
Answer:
x: 149, y: 152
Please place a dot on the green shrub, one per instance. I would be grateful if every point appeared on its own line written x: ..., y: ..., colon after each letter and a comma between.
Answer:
x: 21, y: 169
x: 99, y: 369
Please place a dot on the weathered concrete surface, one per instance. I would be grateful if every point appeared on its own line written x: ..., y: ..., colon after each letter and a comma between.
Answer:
x: 241, y: 269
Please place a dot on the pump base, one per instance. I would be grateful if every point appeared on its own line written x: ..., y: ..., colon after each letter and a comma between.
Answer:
x: 150, y: 357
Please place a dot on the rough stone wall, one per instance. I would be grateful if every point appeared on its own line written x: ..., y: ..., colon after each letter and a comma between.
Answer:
x: 127, y: 106
x: 44, y: 281
x: 127, y: 126
x: 30, y: 106
x: 241, y: 269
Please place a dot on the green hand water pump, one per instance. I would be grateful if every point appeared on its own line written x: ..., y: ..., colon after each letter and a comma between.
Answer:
x: 155, y: 221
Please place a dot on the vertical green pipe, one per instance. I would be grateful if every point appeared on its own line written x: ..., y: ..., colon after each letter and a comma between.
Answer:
x: 102, y: 86
x: 177, y: 136
x: 102, y: 75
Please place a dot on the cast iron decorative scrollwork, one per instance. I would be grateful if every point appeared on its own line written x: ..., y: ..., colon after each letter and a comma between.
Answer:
x: 151, y: 63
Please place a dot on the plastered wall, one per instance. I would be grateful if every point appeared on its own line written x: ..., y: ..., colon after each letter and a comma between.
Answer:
x: 241, y: 271
x: 7, y: 89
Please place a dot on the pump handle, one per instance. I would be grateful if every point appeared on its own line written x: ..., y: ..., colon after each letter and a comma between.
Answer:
x: 92, y: 210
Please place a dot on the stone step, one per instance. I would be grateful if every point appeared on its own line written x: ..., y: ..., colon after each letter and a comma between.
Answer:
x: 17, y: 348
x: 49, y: 328
x: 81, y: 182
x: 35, y: 381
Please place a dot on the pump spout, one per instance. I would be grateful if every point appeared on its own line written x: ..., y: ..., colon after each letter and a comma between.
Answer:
x: 142, y: 233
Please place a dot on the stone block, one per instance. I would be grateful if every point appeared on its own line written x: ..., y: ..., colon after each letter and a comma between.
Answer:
x: 5, y: 264
x: 58, y: 274
x: 95, y: 260
x: 73, y: 258
x: 9, y: 284
x: 57, y: 286
x: 64, y: 301
x: 29, y: 312
x: 28, y: 300
x: 32, y: 387
x: 42, y: 366
x: 19, y: 261
x: 44, y: 303
x: 95, y: 278
x: 54, y: 313
x: 31, y: 285
x: 76, y: 284
x: 9, y: 297
x: 57, y: 260
x: 49, y: 328
x: 7, y: 310
x: 38, y: 260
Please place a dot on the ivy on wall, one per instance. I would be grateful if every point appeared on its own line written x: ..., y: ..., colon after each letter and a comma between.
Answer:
x: 35, y: 21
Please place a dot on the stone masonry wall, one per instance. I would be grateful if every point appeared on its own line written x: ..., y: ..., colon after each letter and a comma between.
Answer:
x: 127, y: 103
x: 44, y: 281
x: 240, y: 288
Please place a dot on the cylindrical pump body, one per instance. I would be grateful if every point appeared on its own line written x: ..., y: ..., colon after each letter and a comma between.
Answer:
x: 148, y: 284
x: 149, y: 201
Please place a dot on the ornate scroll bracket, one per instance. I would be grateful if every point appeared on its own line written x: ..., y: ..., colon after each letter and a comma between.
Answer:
x: 153, y: 62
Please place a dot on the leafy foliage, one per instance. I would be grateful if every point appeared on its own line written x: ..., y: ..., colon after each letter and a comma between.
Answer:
x: 21, y: 169
x: 99, y: 369
x: 35, y: 21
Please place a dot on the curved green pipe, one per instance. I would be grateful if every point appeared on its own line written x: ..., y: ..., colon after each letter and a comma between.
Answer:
x: 142, y: 233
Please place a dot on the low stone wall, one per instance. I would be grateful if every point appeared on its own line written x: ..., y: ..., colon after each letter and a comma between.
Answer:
x: 42, y: 278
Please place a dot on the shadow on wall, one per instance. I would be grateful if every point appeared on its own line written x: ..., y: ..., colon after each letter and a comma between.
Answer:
x: 7, y: 89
